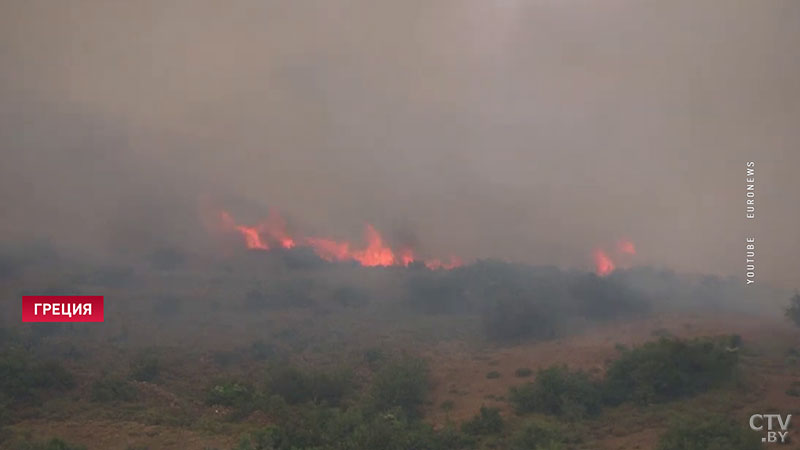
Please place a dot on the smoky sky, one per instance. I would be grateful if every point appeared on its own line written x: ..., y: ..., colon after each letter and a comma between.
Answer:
x: 531, y: 131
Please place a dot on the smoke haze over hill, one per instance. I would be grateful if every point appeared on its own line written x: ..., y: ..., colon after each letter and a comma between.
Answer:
x: 528, y: 131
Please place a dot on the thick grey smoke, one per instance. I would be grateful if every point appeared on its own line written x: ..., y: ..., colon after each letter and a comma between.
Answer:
x: 526, y: 130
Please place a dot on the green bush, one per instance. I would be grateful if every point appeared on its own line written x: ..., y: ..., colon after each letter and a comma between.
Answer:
x: 668, y: 369
x: 403, y: 384
x: 353, y: 429
x: 540, y: 435
x: 113, y: 390
x: 493, y: 375
x: 708, y: 433
x: 229, y: 393
x: 487, y: 421
x: 299, y: 386
x: 22, y: 379
x: 523, y: 372
x: 52, y: 444
x: 145, y: 367
x: 559, y: 391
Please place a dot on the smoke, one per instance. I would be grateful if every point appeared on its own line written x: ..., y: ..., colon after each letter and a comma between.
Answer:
x: 527, y: 131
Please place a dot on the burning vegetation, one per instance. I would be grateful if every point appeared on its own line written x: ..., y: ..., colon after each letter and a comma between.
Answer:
x: 272, y: 233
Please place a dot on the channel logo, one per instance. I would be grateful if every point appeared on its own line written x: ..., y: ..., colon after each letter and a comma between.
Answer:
x: 62, y: 308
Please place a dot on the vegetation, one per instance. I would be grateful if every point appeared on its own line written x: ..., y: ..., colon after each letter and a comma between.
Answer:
x: 401, y: 384
x: 230, y: 393
x: 793, y: 310
x: 559, y: 391
x: 539, y: 434
x: 523, y: 372
x: 113, y: 390
x: 487, y: 421
x: 298, y: 386
x: 708, y: 433
x: 145, y: 367
x: 23, y: 380
x: 52, y: 444
x: 354, y: 429
x: 668, y: 369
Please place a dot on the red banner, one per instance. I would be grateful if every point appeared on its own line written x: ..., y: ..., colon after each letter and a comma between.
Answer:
x: 62, y: 308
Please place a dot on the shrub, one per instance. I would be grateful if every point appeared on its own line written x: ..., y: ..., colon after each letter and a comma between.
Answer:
x: 52, y: 444
x: 145, y: 367
x: 668, y: 369
x: 113, y: 390
x: 403, y: 384
x: 229, y: 393
x: 166, y: 259
x: 350, y: 296
x: 22, y: 380
x: 334, y: 429
x: 559, y: 391
x: 516, y: 315
x: 487, y: 421
x: 605, y: 297
x: 493, y: 375
x: 708, y: 433
x: 435, y: 293
x: 540, y: 435
x: 523, y: 372
x: 298, y: 386
x: 793, y: 310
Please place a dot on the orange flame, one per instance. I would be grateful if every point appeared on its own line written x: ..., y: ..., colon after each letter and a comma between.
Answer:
x: 625, y: 246
x: 603, y: 263
x: 376, y: 252
x: 436, y: 263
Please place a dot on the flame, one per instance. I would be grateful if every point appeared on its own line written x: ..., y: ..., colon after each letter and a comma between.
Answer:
x: 603, y: 263
x: 329, y: 250
x: 406, y: 256
x: 275, y: 227
x: 435, y: 264
x: 376, y: 252
x: 626, y: 247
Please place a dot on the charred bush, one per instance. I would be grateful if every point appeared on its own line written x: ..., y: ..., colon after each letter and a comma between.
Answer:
x: 604, y: 298
x: 514, y: 314
x: 301, y: 258
x: 435, y: 293
x: 289, y: 294
x: 166, y: 258
x: 350, y: 296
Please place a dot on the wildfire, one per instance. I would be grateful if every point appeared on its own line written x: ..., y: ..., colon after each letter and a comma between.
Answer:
x: 625, y: 246
x: 603, y: 263
x: 273, y: 231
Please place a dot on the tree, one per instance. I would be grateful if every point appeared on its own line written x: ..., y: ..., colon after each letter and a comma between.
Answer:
x: 793, y: 311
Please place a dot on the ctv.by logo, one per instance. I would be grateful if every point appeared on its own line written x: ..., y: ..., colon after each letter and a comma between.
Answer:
x: 757, y: 424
